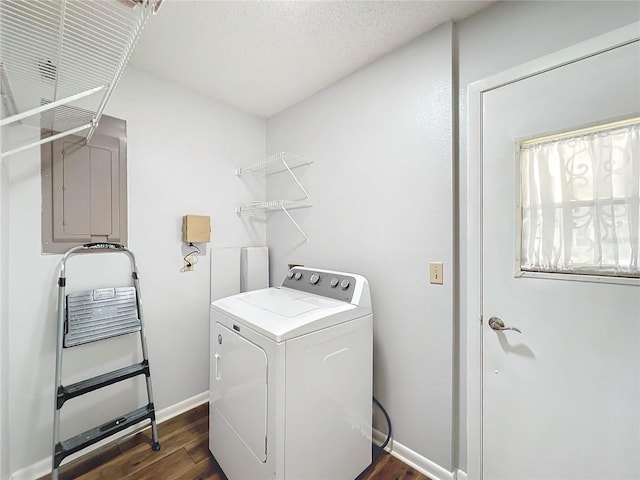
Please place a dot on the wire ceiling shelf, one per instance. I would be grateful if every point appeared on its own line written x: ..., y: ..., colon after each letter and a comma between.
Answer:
x: 60, y: 61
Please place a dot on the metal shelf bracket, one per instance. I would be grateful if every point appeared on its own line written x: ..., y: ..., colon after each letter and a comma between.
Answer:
x: 278, y: 163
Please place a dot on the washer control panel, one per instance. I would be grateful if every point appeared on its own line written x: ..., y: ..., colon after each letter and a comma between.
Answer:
x: 335, y: 285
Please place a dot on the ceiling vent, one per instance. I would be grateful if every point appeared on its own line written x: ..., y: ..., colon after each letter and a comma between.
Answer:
x: 48, y: 71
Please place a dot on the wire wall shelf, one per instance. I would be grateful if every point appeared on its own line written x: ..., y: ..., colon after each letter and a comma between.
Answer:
x: 60, y: 61
x: 278, y: 163
x: 269, y: 206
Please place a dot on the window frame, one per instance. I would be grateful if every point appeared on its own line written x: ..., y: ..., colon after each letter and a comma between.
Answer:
x: 518, y: 272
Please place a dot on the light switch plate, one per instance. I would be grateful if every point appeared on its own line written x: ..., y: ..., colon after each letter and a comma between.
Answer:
x: 435, y: 273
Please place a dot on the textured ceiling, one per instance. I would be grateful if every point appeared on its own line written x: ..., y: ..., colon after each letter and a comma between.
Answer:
x: 263, y: 56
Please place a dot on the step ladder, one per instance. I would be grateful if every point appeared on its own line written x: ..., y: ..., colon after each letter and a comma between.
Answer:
x: 90, y: 316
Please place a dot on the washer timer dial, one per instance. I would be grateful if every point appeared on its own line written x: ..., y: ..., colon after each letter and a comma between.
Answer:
x: 335, y: 285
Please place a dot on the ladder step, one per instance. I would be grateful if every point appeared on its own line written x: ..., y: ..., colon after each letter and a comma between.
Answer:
x: 95, y: 315
x: 88, y: 438
x: 99, y: 331
x: 104, y: 380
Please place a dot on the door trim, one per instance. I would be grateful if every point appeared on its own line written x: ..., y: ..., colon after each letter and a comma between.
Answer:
x: 475, y: 92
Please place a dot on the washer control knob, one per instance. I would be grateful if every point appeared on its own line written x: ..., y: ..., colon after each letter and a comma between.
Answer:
x: 298, y: 275
x: 315, y: 278
x: 344, y: 284
x: 334, y: 282
x: 290, y: 274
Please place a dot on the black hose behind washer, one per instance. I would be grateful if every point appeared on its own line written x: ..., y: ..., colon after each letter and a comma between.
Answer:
x: 386, y: 415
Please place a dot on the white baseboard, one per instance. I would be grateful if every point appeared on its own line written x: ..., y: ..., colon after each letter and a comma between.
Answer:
x: 43, y: 467
x: 405, y: 454
x: 461, y: 475
x: 413, y: 459
x: 181, y: 407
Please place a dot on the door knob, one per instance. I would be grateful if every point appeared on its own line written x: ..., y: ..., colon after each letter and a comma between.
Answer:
x: 496, y: 323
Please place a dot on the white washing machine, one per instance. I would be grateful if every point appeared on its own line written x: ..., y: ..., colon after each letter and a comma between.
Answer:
x: 291, y: 379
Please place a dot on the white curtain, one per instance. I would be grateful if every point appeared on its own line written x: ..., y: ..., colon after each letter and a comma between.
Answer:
x: 580, y: 203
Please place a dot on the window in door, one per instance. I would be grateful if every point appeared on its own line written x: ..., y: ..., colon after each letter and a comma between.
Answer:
x: 580, y: 202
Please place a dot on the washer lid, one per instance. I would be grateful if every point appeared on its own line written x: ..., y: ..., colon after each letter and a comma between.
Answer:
x: 288, y: 303
x: 282, y: 313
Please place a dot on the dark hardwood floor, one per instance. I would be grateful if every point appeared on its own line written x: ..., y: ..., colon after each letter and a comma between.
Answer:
x: 185, y: 456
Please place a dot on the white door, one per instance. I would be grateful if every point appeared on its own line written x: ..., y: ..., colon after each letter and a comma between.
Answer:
x: 561, y: 400
x: 239, y: 392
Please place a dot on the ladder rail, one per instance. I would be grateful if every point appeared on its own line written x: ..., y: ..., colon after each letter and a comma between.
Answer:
x: 61, y: 310
x: 145, y: 355
x: 59, y: 340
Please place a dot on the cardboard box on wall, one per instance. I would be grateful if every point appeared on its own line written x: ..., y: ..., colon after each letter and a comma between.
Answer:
x: 196, y: 229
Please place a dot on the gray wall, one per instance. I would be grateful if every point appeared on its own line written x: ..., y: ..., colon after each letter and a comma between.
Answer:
x: 182, y: 149
x: 505, y: 35
x: 384, y: 187
x: 381, y: 189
